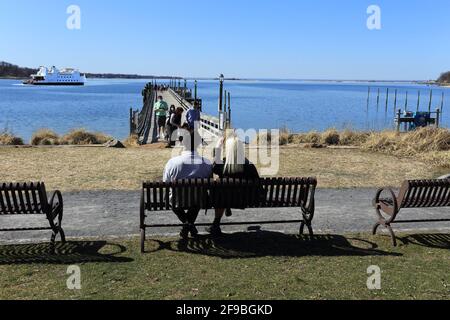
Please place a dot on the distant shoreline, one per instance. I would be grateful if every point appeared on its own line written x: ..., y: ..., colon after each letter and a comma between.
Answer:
x: 131, y: 77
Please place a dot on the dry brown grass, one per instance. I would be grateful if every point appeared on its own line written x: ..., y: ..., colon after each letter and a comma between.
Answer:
x: 429, y: 144
x: 84, y: 168
x: 84, y: 137
x: 411, y: 143
x: 348, y: 168
x: 352, y: 138
x: 310, y: 137
x: 45, y: 137
x: 330, y: 137
x: 9, y: 139
x: 132, y: 141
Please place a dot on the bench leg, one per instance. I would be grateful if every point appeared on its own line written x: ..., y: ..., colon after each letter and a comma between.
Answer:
x: 394, y: 239
x: 308, y: 225
x: 389, y: 228
x: 375, y: 228
x: 143, y: 240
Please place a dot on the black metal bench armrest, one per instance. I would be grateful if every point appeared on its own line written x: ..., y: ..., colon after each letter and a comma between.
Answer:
x: 56, y: 204
x: 389, y: 206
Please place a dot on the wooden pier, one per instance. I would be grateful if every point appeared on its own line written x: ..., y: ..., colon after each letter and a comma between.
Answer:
x: 143, y: 122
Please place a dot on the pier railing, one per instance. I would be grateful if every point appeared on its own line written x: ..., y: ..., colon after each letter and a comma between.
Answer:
x: 142, y: 122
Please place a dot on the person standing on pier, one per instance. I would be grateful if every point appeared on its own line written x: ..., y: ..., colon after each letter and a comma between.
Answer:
x: 193, y: 116
x: 161, y: 108
x: 174, y: 125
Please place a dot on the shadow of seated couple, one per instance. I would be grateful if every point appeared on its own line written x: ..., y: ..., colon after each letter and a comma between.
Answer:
x: 275, y: 244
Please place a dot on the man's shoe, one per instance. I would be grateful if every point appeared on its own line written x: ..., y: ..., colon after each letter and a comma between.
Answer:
x: 193, y: 230
x: 184, y: 234
x: 228, y: 212
x: 214, y: 230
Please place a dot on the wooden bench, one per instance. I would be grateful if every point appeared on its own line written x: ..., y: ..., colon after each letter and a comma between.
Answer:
x: 31, y: 199
x: 413, y: 194
x: 229, y: 193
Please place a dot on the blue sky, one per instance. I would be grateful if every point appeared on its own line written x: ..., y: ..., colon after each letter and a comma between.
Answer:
x: 320, y: 39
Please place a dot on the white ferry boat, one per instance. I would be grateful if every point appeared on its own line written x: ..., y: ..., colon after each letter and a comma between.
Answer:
x: 55, y: 77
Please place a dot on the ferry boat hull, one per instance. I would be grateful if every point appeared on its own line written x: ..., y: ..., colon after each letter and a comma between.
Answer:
x: 42, y: 83
x: 55, y: 77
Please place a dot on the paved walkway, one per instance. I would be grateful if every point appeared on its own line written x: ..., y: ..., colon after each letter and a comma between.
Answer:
x: 116, y: 213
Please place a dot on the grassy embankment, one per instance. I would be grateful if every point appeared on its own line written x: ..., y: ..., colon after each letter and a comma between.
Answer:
x: 237, y: 266
x: 376, y: 159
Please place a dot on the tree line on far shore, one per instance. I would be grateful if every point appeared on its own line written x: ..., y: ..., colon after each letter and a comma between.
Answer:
x: 8, y: 70
x: 444, y: 78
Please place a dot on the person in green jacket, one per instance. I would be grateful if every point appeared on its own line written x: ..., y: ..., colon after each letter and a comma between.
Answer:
x: 161, y: 108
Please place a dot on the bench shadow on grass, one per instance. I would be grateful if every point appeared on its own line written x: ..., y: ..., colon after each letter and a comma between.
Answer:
x: 263, y: 244
x: 435, y: 240
x: 67, y: 253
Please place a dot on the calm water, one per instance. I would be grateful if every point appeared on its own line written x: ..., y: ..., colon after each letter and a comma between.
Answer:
x: 103, y: 105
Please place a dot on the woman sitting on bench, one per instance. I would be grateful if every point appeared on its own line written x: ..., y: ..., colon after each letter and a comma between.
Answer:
x: 234, y: 166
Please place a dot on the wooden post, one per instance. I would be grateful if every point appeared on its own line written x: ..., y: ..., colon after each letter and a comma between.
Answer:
x: 418, y: 101
x: 406, y: 102
x: 437, y: 117
x: 378, y: 99
x: 195, y: 90
x: 399, y: 114
x: 229, y: 109
x: 442, y: 102
x: 387, y: 100
x: 221, y: 92
x: 131, y: 121
x: 431, y: 99
x: 225, y: 102
x: 395, y: 102
x: 368, y: 100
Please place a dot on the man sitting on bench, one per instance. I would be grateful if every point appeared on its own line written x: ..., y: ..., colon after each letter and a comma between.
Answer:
x: 189, y: 165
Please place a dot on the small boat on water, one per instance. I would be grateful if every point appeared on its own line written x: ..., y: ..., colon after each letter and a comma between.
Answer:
x: 56, y: 77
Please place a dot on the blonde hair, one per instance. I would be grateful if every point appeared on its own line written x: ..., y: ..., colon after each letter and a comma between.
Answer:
x: 234, y: 153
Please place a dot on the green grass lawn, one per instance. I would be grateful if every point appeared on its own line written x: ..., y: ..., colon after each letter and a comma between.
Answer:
x: 261, y: 265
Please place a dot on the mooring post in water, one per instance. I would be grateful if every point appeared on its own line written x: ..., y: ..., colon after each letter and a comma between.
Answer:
x: 399, y: 115
x: 395, y: 102
x: 418, y: 101
x: 368, y: 100
x: 438, y: 114
x: 131, y: 121
x: 378, y: 99
x: 387, y: 101
x: 431, y: 99
x: 442, y: 103
x: 406, y: 102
